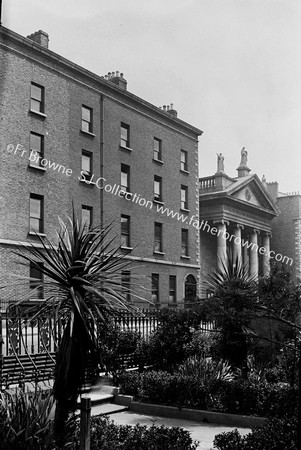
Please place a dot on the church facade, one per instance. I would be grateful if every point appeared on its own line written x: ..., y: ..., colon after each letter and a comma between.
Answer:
x: 235, y: 215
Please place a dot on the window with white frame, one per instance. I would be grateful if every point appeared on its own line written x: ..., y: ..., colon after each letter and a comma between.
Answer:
x: 184, y: 197
x: 125, y: 231
x: 87, y: 119
x: 37, y: 98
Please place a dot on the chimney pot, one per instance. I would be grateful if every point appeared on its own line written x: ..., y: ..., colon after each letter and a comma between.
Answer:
x: 164, y: 107
x: 117, y: 78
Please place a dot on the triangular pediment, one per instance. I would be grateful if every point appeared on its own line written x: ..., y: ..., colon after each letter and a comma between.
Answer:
x: 251, y: 191
x: 247, y: 194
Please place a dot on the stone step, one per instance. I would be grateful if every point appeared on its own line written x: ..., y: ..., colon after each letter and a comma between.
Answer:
x: 97, y: 398
x: 101, y: 394
x: 104, y: 389
x: 107, y: 409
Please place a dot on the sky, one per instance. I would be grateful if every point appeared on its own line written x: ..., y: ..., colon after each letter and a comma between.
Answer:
x: 231, y: 67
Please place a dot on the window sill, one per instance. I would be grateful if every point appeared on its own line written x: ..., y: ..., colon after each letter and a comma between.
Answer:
x: 129, y: 249
x: 42, y: 169
x: 185, y: 257
x: 159, y: 161
x: 158, y: 201
x: 32, y: 233
x: 123, y: 147
x: 38, y: 113
x: 186, y: 172
x: 158, y: 253
x: 88, y: 133
x: 184, y: 210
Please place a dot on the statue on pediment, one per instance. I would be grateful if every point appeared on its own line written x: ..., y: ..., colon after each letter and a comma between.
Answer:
x: 220, y: 162
x: 244, y: 157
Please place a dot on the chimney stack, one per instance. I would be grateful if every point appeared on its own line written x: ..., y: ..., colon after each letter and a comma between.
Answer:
x: 170, y: 109
x: 272, y: 189
x: 40, y: 37
x: 116, y: 78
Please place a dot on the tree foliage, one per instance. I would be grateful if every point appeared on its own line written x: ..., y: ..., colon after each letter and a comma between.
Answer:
x: 278, y: 294
x: 232, y: 305
x: 82, y: 285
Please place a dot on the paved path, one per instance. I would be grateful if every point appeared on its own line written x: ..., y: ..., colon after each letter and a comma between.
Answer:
x: 203, y: 432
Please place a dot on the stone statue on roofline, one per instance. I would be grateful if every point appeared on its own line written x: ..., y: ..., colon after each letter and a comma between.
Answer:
x: 220, y: 162
x: 244, y: 157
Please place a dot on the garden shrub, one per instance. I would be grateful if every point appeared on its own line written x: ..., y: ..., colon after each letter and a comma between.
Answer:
x: 277, y: 434
x: 260, y: 399
x: 26, y: 421
x: 116, y: 346
x: 206, y: 370
x: 281, y: 400
x: 167, y: 344
x: 166, y: 388
x: 105, y: 434
x: 235, y: 397
x: 231, y: 440
x: 203, y: 344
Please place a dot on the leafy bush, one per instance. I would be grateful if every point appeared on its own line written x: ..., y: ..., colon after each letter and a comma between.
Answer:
x: 261, y: 399
x: 277, y: 434
x: 166, y: 388
x: 286, y: 367
x: 283, y: 369
x: 167, y: 344
x: 231, y: 440
x: 105, y: 434
x: 203, y: 344
x: 236, y: 397
x: 26, y: 421
x: 116, y: 346
x: 205, y: 370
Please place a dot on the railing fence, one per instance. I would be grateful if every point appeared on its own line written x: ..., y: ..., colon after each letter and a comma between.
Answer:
x: 23, y: 335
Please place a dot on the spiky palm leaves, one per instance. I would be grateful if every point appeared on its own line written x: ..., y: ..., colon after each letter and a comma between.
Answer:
x: 233, y: 306
x: 82, y: 283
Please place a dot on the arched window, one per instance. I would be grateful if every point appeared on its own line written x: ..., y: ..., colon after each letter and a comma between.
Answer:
x: 190, y: 288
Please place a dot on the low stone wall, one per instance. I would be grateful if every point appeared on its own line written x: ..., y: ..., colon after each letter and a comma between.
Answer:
x: 234, y: 420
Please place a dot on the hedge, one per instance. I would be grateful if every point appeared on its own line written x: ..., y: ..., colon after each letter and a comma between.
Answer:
x: 236, y: 397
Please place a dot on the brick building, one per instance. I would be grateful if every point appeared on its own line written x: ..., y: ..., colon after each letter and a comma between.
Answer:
x: 286, y: 228
x: 67, y: 135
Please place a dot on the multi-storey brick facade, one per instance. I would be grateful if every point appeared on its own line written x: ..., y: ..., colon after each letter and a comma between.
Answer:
x: 286, y: 228
x: 78, y: 119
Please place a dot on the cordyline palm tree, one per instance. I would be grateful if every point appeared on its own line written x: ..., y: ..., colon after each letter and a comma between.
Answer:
x: 233, y: 306
x: 82, y: 282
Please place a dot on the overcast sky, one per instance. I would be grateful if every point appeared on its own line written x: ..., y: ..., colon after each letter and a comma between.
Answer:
x: 231, y: 67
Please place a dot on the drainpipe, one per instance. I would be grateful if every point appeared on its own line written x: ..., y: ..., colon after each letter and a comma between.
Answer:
x: 102, y: 157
